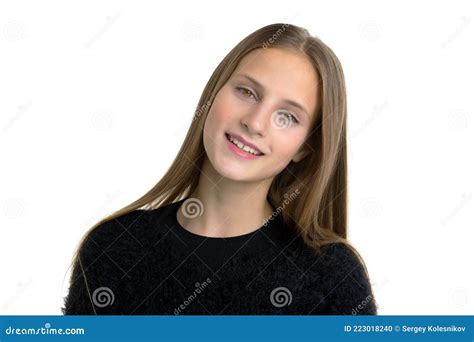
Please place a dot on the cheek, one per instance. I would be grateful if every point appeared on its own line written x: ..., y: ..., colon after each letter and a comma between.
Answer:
x: 219, y: 114
x: 287, y: 144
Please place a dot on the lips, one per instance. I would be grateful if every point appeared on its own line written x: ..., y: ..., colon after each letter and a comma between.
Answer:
x: 243, y: 141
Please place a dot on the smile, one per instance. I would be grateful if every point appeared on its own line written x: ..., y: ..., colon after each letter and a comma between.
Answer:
x: 241, y: 149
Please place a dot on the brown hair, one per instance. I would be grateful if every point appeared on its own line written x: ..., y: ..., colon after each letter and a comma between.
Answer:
x: 319, y: 212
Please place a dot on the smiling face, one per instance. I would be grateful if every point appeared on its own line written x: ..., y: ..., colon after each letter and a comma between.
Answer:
x: 269, y: 101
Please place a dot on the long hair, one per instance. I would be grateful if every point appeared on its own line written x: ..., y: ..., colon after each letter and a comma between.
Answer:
x: 318, y: 213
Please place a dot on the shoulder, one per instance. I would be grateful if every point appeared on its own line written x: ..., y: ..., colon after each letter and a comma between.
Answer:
x: 343, y: 280
x: 123, y: 232
x: 340, y: 254
x: 137, y: 229
x: 106, y: 254
x: 111, y: 228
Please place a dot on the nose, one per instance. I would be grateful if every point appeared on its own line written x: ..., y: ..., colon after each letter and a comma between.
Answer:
x: 257, y: 120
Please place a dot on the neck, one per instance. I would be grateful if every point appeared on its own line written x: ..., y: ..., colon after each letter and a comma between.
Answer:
x: 230, y: 208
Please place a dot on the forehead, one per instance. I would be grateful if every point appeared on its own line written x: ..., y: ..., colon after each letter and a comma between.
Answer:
x: 283, y: 73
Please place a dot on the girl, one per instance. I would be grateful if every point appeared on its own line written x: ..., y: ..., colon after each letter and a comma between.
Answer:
x: 251, y: 217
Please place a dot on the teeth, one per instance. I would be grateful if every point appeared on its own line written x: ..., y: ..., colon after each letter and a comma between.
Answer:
x: 242, y: 146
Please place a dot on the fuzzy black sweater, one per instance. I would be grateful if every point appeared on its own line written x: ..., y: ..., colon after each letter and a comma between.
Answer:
x: 146, y: 263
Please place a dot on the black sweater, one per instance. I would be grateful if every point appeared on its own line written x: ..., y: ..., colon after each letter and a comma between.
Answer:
x: 146, y: 263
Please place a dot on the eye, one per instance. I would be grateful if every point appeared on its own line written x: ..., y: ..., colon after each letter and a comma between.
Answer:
x: 290, y: 116
x: 246, y: 92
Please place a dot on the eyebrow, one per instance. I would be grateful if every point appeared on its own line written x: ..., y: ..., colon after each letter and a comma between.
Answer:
x: 258, y: 84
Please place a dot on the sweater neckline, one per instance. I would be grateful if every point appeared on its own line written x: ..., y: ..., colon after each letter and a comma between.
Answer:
x: 268, y: 234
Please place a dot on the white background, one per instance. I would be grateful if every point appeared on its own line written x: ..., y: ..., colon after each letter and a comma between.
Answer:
x: 96, y: 98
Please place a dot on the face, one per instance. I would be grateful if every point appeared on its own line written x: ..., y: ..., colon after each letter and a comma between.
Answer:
x: 269, y: 102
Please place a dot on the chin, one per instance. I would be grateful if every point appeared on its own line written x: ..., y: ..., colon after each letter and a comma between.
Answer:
x: 229, y: 170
